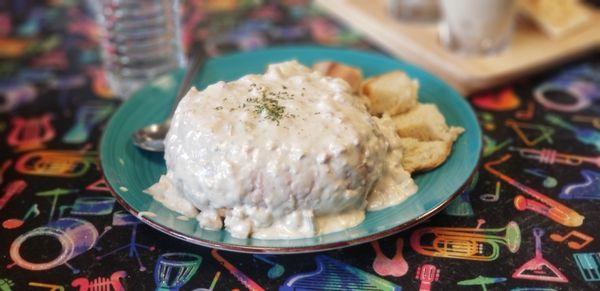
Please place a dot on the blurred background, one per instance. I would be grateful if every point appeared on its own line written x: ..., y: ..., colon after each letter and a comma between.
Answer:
x: 40, y: 41
x: 139, y: 40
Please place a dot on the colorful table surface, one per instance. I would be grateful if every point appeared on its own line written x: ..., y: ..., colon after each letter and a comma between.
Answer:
x: 60, y: 229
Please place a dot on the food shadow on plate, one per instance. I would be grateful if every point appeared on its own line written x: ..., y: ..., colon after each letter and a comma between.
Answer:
x: 156, y: 158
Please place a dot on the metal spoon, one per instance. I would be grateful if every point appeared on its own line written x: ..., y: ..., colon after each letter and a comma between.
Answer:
x: 151, y: 137
x: 276, y: 269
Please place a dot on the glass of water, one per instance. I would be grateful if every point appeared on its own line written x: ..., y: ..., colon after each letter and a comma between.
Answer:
x: 414, y: 10
x: 141, y: 40
x: 477, y: 27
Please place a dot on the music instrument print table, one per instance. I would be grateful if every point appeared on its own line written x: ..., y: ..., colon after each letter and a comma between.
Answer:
x: 528, y: 220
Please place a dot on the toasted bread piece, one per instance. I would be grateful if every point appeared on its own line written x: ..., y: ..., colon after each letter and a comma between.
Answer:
x: 349, y: 74
x: 424, y: 122
x: 392, y: 93
x: 420, y: 156
x: 555, y: 17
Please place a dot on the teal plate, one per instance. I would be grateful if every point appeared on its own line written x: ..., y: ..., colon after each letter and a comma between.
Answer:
x: 129, y: 170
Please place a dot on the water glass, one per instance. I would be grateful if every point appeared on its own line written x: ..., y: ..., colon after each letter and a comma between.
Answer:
x: 414, y: 10
x: 141, y: 40
x: 477, y: 27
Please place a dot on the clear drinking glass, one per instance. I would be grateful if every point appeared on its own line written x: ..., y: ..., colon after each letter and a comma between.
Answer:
x: 414, y: 10
x: 477, y: 27
x: 141, y: 40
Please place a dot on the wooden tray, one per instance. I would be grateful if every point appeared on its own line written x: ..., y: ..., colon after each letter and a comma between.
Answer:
x: 530, y: 50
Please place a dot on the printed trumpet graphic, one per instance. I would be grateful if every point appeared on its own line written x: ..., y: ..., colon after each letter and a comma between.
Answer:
x: 550, y: 156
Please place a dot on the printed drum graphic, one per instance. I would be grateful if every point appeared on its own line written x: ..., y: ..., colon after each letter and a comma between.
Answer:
x: 75, y: 236
x: 579, y: 84
x: 173, y: 270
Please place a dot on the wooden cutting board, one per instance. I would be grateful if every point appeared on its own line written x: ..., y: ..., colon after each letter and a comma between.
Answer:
x: 530, y: 50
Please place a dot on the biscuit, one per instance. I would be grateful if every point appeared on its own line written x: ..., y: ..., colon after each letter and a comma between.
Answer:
x: 351, y: 75
x: 418, y: 156
x: 392, y: 93
x: 424, y: 122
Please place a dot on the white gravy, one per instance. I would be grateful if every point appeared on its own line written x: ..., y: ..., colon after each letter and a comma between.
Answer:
x: 287, y: 154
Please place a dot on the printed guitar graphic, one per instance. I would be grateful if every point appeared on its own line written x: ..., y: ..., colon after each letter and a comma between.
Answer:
x: 101, y: 283
x: 427, y: 274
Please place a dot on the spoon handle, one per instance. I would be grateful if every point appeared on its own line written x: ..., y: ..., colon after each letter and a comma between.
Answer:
x: 264, y: 259
x: 198, y: 58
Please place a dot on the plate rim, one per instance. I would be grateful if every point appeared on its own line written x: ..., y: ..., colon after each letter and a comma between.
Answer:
x: 312, y: 248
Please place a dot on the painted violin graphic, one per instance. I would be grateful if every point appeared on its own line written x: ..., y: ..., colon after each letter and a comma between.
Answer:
x: 101, y: 283
x: 31, y: 133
